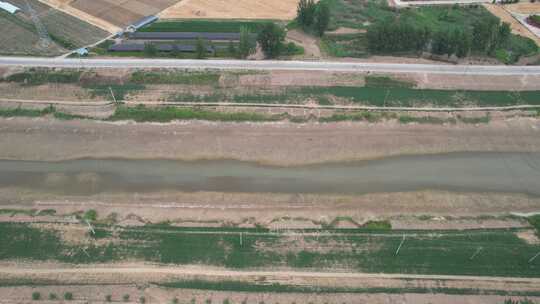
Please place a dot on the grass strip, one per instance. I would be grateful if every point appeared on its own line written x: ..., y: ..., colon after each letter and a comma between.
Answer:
x: 238, y: 286
x: 167, y: 114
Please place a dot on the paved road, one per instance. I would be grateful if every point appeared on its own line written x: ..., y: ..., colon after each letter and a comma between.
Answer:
x: 270, y: 65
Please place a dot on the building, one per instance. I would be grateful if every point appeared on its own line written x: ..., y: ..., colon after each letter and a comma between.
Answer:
x: 132, y: 28
x: 8, y: 7
x: 184, y: 36
x: 82, y: 52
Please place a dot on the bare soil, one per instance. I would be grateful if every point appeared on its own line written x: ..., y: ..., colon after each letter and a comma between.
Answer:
x: 45, y: 139
x: 308, y: 42
x: 444, y: 210
x: 229, y: 9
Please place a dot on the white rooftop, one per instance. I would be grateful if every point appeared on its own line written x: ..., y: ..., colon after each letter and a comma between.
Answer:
x: 12, y: 9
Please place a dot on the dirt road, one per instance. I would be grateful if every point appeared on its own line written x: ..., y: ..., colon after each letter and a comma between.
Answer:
x: 136, y: 273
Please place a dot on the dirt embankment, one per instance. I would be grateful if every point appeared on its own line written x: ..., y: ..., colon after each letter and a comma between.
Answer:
x: 272, y: 143
x: 410, y: 210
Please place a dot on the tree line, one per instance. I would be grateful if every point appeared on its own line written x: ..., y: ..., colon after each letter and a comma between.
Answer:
x: 313, y: 16
x: 485, y: 36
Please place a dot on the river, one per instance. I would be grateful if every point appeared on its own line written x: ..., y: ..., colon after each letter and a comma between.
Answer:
x: 471, y: 172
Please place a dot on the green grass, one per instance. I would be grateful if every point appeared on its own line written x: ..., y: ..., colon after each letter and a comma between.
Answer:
x: 34, y: 77
x: 386, y: 82
x: 408, y: 97
x: 358, y: 116
x: 164, y: 77
x: 20, y: 112
x: 535, y: 222
x: 166, y: 114
x: 423, y: 252
x: 271, y: 287
x: 201, y: 26
x: 120, y: 91
x: 349, y: 45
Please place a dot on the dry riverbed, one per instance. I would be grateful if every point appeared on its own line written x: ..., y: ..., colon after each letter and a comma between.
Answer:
x: 279, y: 143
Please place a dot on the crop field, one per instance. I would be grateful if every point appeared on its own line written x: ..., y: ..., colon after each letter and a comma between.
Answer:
x: 201, y: 26
x: 372, y: 251
x: 232, y: 9
x: 20, y: 38
x: 121, y: 13
x: 65, y: 31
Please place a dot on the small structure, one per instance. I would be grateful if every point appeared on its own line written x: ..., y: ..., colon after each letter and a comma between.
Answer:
x: 8, y: 7
x: 82, y: 52
x: 132, y: 28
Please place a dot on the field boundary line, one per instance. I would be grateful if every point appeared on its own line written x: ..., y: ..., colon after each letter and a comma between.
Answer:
x: 326, y: 107
x: 261, y: 105
x: 194, y: 270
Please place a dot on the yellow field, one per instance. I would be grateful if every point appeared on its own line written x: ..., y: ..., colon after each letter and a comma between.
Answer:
x: 232, y: 9
x: 524, y: 7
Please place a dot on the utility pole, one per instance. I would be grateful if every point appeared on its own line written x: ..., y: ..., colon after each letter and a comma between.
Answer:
x: 534, y: 257
x: 241, y: 238
x: 400, y: 244
x: 112, y: 94
x: 476, y: 253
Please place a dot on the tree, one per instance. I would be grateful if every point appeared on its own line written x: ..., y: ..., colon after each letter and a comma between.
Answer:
x: 68, y: 296
x: 200, y: 49
x: 150, y: 49
x: 271, y: 39
x: 245, y: 47
x: 306, y: 13
x: 322, y: 18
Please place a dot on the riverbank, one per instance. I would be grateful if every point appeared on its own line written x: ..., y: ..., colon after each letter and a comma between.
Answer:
x: 278, y: 143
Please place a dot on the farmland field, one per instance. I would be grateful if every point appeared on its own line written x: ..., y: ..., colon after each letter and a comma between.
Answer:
x: 20, y: 38
x: 233, y: 9
x: 65, y: 31
x: 444, y: 252
x: 124, y: 12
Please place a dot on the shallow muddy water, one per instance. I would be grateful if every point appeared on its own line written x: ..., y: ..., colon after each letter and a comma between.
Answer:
x: 473, y: 172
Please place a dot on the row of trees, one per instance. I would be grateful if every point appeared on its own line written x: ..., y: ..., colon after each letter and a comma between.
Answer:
x: 485, y: 36
x: 313, y: 16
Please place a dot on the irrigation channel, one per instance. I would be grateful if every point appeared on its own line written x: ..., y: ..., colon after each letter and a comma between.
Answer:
x: 467, y: 171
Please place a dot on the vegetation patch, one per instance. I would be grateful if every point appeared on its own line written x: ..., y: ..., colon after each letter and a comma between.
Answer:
x: 167, y: 114
x: 165, y: 77
x: 35, y: 77
x: 421, y: 252
x: 386, y: 82
x: 239, y: 286
x: 204, y: 26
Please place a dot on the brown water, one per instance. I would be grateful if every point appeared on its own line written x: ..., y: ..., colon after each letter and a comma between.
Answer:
x: 474, y: 172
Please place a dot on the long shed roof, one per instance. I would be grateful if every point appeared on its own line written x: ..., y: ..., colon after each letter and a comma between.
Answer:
x: 12, y: 9
x: 184, y: 36
x: 139, y: 47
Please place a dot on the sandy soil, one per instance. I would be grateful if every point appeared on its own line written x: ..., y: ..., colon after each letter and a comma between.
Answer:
x: 524, y: 7
x: 505, y: 16
x: 229, y: 9
x: 45, y: 139
x: 308, y: 42
x: 446, y: 210
x: 141, y: 274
